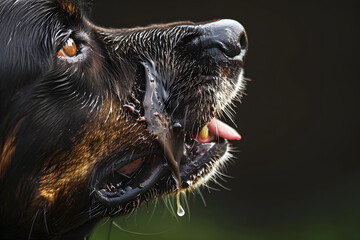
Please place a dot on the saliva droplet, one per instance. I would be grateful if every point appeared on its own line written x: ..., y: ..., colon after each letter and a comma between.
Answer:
x: 180, y: 210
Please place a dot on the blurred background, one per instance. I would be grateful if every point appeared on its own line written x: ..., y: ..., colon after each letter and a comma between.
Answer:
x: 297, y: 169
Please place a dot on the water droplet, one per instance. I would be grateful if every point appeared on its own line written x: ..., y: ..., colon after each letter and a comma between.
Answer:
x: 180, y: 210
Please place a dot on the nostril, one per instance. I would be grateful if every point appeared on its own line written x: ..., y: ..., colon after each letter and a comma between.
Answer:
x: 231, y: 49
x: 243, y: 41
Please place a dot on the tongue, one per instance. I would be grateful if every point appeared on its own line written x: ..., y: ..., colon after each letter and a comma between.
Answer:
x: 221, y: 129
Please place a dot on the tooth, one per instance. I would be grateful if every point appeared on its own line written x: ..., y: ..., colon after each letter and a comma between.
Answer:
x: 204, y: 133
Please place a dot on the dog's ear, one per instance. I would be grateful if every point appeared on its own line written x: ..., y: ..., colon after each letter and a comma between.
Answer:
x: 76, y: 7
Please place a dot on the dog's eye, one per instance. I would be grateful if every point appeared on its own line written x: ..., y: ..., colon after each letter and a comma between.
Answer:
x: 69, y: 49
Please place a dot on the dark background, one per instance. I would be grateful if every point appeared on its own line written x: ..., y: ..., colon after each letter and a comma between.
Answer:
x: 296, y: 174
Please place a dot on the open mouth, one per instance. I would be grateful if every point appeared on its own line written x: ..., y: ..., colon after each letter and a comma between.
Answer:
x: 200, y: 155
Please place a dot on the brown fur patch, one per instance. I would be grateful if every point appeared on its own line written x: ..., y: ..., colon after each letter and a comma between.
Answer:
x: 8, y: 149
x: 109, y: 132
x: 70, y: 8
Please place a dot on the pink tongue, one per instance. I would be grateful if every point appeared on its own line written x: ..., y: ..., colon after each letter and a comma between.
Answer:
x: 221, y: 129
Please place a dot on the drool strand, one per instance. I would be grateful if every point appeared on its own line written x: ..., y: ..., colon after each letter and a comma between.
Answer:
x: 171, y: 140
x: 175, y: 166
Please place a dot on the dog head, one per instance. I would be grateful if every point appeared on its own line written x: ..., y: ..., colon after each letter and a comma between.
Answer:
x: 95, y: 121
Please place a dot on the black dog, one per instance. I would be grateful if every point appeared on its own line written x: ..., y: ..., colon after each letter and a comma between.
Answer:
x: 96, y: 121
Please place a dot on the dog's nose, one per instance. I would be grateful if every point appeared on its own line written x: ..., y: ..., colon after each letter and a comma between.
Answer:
x: 226, y: 35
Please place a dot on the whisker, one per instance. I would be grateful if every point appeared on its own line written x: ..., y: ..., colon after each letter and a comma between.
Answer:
x: 187, y: 204
x: 45, y: 221
x: 153, y: 211
x: 109, y: 230
x: 32, y: 224
x: 217, y: 182
x: 201, y: 196
x: 211, y: 188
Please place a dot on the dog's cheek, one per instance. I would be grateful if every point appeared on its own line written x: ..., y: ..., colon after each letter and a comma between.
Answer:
x: 68, y: 180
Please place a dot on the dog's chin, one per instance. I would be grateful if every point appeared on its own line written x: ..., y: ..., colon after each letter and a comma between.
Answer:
x: 143, y: 176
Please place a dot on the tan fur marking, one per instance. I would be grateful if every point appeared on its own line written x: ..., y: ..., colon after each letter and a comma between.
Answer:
x: 98, y: 140
x: 70, y: 8
x: 8, y: 149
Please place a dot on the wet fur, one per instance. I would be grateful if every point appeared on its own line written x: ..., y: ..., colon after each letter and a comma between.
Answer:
x: 62, y: 122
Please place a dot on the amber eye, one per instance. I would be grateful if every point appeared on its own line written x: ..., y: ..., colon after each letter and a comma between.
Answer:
x: 69, y: 49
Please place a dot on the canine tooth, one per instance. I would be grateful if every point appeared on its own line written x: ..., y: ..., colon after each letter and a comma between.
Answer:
x: 204, y: 133
x: 141, y: 119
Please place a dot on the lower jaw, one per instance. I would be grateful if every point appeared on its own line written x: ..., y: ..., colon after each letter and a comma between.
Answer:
x: 193, y: 175
x: 211, y: 169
